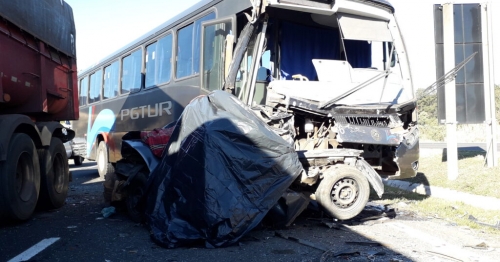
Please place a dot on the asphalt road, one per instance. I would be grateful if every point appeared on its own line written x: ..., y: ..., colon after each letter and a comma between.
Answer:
x: 462, y: 146
x: 78, y: 232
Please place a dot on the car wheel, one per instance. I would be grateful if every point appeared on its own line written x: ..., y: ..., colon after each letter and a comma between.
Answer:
x: 343, y: 192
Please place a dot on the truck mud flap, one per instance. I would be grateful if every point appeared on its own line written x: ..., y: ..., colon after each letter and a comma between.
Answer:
x: 372, y: 176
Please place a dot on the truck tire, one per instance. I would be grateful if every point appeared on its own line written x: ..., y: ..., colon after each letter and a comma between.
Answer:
x: 343, y: 192
x: 78, y: 160
x: 103, y: 165
x: 54, y: 170
x: 19, y: 179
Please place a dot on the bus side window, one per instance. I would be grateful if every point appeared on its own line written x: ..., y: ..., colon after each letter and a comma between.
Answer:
x: 164, y: 50
x: 131, y: 72
x: 188, y: 48
x: 95, y: 86
x: 150, y: 65
x: 185, y: 52
x: 84, y: 91
x: 110, y: 81
x: 158, y: 61
x: 197, y: 41
x: 214, y: 43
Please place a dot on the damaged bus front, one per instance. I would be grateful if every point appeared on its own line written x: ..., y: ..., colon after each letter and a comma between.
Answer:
x: 333, y: 79
x: 330, y: 77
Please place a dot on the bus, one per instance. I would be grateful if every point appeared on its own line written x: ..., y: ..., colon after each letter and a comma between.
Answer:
x: 331, y: 77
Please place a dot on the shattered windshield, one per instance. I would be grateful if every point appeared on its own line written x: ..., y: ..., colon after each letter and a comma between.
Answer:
x: 345, y: 59
x: 372, y: 63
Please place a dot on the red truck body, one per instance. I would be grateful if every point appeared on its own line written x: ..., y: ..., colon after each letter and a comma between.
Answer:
x: 38, y: 88
x: 37, y: 79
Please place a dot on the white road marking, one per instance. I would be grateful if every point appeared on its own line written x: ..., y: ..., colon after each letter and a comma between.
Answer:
x: 34, y: 250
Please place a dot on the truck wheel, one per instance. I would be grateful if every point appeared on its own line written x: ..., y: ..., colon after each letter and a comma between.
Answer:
x: 54, y: 170
x: 136, y: 191
x: 78, y: 160
x: 103, y: 165
x: 343, y: 192
x: 19, y: 179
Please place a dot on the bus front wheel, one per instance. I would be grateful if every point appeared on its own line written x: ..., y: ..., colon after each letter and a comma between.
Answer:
x: 103, y: 165
x: 343, y: 192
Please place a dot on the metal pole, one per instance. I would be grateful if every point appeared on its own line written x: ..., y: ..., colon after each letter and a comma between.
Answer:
x: 489, y: 84
x: 450, y: 91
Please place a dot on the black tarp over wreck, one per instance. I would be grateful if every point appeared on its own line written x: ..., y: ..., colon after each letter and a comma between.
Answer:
x: 223, y: 171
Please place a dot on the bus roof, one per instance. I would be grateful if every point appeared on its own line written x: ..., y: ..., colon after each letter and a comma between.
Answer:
x: 186, y: 14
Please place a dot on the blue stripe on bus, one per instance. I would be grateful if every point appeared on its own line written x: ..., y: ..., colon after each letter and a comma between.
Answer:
x: 102, y: 124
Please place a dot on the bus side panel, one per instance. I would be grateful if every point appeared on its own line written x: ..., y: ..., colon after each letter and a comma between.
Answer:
x: 143, y: 111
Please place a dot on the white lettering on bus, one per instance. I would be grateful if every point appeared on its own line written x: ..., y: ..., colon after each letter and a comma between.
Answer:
x: 140, y: 112
x: 124, y: 112
x: 155, y: 111
x: 167, y: 108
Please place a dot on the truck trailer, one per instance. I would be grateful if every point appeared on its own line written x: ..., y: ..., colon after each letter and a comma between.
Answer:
x: 38, y: 88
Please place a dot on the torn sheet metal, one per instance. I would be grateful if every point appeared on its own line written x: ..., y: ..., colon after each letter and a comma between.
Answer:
x: 223, y: 171
x: 407, y: 155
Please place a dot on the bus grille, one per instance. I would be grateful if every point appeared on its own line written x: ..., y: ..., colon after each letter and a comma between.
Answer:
x: 371, y: 121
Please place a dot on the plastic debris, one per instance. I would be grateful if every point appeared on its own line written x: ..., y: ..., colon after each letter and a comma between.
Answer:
x: 289, y: 206
x: 364, y: 243
x: 222, y: 170
x: 108, y: 211
x: 303, y: 242
x: 495, y: 226
x: 345, y: 253
x: 444, y: 256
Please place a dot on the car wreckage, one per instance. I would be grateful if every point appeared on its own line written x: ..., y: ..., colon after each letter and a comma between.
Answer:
x: 330, y: 79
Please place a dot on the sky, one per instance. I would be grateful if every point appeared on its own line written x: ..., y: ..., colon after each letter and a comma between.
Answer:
x: 104, y: 26
x: 415, y: 18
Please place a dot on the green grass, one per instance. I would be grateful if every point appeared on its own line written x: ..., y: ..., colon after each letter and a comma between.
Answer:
x: 453, y: 212
x: 430, y: 130
x: 473, y: 175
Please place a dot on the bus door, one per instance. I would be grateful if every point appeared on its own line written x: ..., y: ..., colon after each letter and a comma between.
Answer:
x: 216, y: 52
x: 253, y: 75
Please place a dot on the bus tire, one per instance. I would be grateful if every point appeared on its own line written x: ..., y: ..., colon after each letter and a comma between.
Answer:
x: 54, y: 170
x: 343, y: 192
x: 78, y: 160
x: 19, y: 179
x: 103, y: 165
